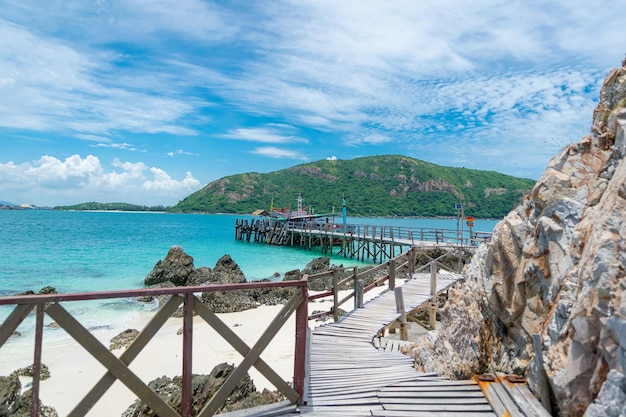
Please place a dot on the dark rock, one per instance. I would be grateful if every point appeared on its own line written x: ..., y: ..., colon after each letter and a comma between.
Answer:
x: 177, y: 267
x: 124, y: 339
x: 226, y: 271
x: 202, y: 276
x: 317, y: 265
x: 44, y: 372
x: 229, y: 301
x: 24, y: 407
x: 293, y: 275
x: 161, y: 298
x: 14, y: 404
x: 203, y: 389
x: 255, y: 399
x: 10, y: 388
x: 48, y: 290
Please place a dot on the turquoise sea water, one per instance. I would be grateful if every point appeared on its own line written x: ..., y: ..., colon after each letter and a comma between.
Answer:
x: 96, y: 251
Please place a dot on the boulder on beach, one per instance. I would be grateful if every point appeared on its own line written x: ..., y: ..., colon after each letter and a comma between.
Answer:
x: 13, y: 403
x: 203, y: 389
x: 123, y: 339
x: 177, y: 267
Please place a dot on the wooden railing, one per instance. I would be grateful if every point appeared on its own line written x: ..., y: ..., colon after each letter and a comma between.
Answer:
x: 404, y: 261
x: 118, y: 367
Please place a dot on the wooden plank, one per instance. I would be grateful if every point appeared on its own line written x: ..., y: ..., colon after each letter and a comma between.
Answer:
x: 436, y: 408
x: 270, y: 410
x: 407, y: 413
x: 523, y: 400
x: 537, y: 407
x: 509, y: 405
x: 456, y: 401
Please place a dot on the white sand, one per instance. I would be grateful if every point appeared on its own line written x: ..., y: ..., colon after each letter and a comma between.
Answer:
x: 74, y: 372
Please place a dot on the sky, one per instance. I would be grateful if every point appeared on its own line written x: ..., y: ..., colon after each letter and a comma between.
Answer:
x: 147, y: 101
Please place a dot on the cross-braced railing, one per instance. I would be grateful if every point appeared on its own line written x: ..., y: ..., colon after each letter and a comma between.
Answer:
x: 118, y: 367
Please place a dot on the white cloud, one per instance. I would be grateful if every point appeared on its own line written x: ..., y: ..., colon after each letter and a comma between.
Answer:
x: 163, y: 182
x: 181, y: 152
x: 50, y: 181
x: 263, y: 135
x: 277, y: 153
x: 47, y: 84
x: 331, y: 158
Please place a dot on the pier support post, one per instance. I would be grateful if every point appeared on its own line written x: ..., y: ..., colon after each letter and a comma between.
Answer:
x: 300, y: 354
x: 358, y: 289
x: 335, y: 295
x: 433, y: 292
x: 392, y: 274
x: 400, y: 309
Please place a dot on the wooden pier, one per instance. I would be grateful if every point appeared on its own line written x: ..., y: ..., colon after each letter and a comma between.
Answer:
x: 361, y: 242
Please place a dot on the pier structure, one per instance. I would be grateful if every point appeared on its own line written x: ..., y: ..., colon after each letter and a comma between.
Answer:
x: 355, y: 241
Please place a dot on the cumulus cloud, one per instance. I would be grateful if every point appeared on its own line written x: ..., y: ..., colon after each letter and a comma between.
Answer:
x: 163, y: 182
x: 50, y: 181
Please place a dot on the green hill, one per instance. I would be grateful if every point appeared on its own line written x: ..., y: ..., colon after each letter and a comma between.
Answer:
x: 110, y: 207
x: 389, y: 185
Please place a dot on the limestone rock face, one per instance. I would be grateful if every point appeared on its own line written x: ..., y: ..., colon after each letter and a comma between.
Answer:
x: 556, y: 267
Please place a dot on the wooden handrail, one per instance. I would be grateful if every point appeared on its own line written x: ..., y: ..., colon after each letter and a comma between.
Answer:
x: 118, y: 367
x: 401, y: 261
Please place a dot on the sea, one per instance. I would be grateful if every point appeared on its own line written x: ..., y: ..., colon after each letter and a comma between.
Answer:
x: 84, y: 251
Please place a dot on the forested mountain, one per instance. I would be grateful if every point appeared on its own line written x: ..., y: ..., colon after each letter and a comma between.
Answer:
x: 389, y: 185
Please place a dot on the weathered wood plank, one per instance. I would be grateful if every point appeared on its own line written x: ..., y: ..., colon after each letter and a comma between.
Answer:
x: 436, y: 408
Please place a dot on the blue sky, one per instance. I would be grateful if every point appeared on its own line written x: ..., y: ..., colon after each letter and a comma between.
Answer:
x: 147, y: 101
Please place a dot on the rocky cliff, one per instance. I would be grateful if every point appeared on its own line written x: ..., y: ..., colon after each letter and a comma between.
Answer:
x: 555, y: 270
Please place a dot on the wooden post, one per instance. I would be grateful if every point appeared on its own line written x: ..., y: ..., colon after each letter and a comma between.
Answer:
x: 543, y: 387
x: 400, y: 309
x: 300, y: 354
x: 358, y: 289
x: 34, y: 407
x: 392, y: 274
x: 186, y: 394
x: 433, y: 293
x: 335, y: 295
x: 411, y: 261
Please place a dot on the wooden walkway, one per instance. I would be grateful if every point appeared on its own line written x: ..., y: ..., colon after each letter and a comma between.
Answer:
x: 349, y: 376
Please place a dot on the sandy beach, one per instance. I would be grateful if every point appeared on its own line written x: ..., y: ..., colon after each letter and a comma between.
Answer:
x: 74, y: 372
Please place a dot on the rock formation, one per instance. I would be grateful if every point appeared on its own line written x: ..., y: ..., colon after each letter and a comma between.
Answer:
x: 123, y: 339
x: 13, y: 403
x: 555, y: 269
x: 203, y: 388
